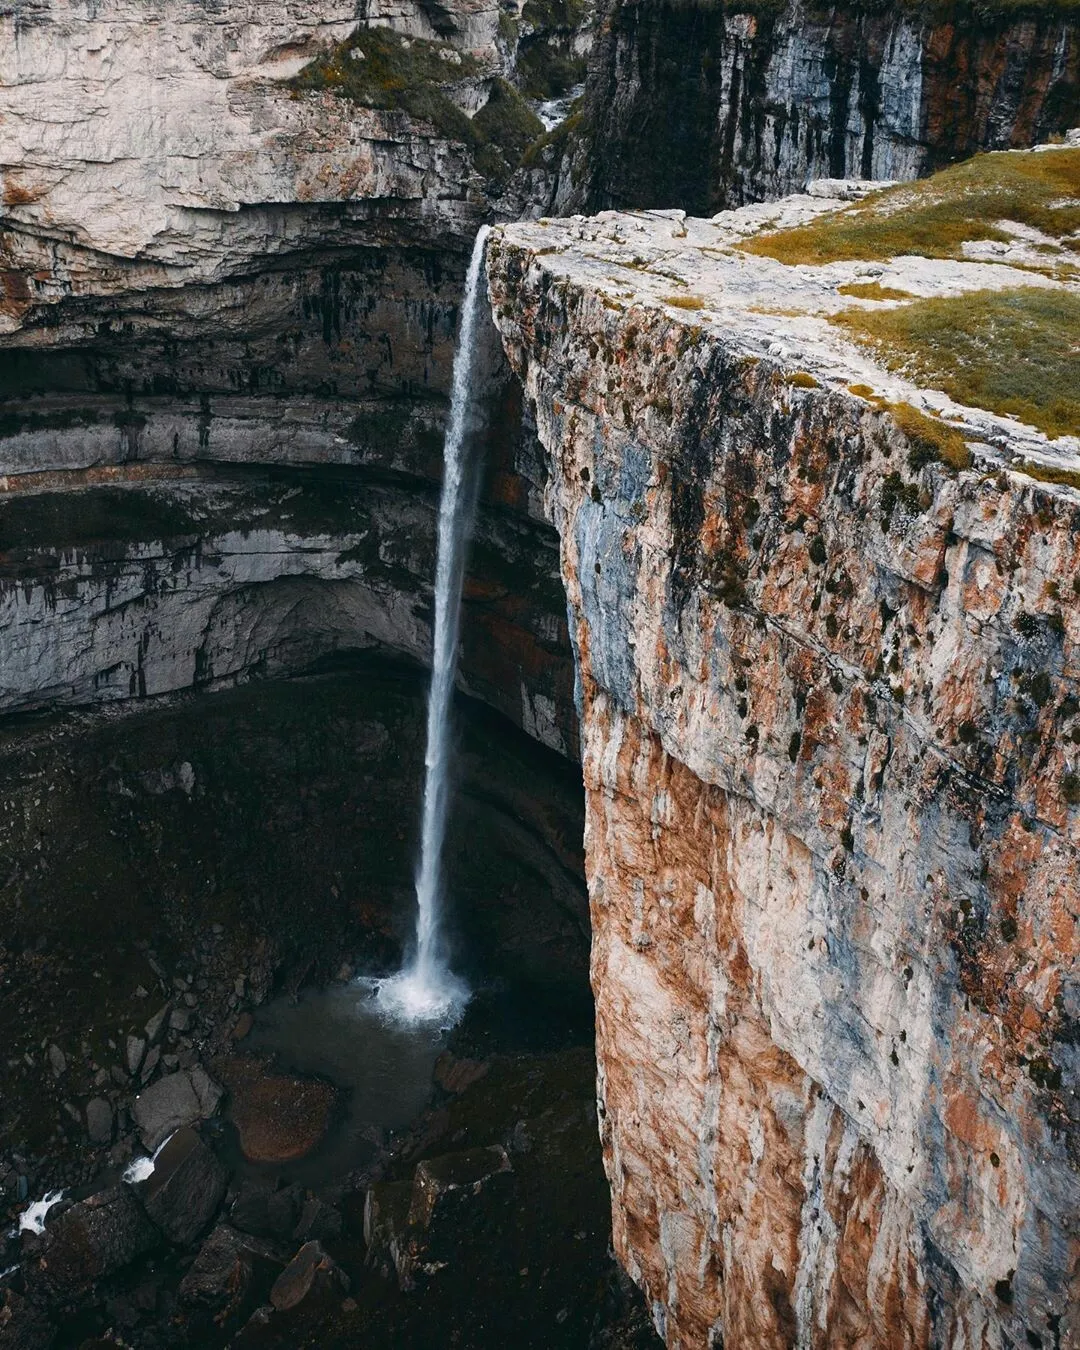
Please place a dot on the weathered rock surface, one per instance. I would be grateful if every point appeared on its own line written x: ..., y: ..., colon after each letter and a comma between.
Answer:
x: 278, y: 1118
x: 232, y: 166
x: 91, y: 1240
x: 831, y: 823
x: 177, y: 1100
x: 706, y: 106
x: 186, y: 1187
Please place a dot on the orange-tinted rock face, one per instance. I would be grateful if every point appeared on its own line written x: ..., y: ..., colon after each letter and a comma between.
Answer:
x: 828, y: 737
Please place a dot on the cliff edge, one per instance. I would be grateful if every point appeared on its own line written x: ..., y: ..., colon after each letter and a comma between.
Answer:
x: 819, y: 531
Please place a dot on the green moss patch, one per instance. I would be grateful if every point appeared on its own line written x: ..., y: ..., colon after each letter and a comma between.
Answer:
x: 503, y: 129
x: 380, y: 69
x: 935, y: 217
x: 1014, y: 352
x: 1047, y: 473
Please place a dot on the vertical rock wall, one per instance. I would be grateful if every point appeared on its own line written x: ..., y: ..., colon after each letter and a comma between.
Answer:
x: 828, y: 741
x: 704, y: 106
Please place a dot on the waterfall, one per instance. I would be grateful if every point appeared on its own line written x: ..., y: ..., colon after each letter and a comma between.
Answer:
x: 426, y: 989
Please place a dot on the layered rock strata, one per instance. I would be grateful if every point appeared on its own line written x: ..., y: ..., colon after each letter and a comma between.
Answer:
x: 204, y: 264
x: 829, y: 716
x: 704, y: 106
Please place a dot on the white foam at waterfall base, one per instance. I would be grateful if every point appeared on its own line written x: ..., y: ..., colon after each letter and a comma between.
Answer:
x: 32, y: 1219
x: 425, y: 989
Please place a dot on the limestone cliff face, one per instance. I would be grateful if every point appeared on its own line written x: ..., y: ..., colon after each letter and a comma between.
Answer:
x: 202, y: 265
x: 828, y: 722
x: 703, y: 106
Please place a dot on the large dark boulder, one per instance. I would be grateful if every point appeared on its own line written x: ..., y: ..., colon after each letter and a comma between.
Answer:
x: 179, y: 1099
x: 228, y: 1278
x: 186, y: 1188
x: 91, y: 1240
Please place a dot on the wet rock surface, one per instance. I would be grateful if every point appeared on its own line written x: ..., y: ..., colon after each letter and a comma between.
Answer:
x: 278, y: 1118
x: 186, y: 1188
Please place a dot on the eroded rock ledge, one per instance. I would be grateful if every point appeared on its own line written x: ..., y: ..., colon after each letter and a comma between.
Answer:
x: 829, y: 726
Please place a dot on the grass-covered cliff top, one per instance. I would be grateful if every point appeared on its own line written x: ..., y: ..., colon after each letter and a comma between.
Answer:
x: 937, y: 216
x: 1012, y: 351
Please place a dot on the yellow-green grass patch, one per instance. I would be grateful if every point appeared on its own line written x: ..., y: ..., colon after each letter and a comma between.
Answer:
x: 934, y: 218
x: 1013, y: 352
x: 684, y: 301
x: 873, y: 290
x: 1048, y: 473
x: 930, y: 439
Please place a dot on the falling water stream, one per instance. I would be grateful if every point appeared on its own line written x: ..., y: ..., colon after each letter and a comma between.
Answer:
x: 425, y: 989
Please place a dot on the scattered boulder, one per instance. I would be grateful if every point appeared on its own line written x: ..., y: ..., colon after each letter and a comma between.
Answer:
x: 279, y: 1118
x: 186, y: 1187
x: 310, y: 1270
x: 156, y: 1026
x: 150, y: 1063
x: 176, y: 1100
x: 456, y: 1200
x: 455, y: 1075
x: 441, y: 1186
x: 22, y: 1326
x: 262, y: 1209
x: 133, y: 1053
x: 386, y: 1219
x: 99, y: 1121
x: 92, y: 1239
x: 58, y: 1060
x: 228, y: 1277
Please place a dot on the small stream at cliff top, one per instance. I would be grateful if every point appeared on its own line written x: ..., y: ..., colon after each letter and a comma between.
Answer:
x: 425, y: 990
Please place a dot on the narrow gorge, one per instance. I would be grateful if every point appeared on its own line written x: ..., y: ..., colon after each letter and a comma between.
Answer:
x: 770, y: 601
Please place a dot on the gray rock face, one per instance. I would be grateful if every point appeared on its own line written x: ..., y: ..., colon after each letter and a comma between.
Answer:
x: 187, y: 1186
x: 178, y: 1099
x: 99, y: 1121
x: 704, y: 107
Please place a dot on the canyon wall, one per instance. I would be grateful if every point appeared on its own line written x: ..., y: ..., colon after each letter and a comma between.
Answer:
x: 829, y: 723
x: 206, y: 272
x: 704, y: 106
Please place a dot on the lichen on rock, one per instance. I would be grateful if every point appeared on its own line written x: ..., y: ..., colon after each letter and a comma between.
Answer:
x: 827, y: 684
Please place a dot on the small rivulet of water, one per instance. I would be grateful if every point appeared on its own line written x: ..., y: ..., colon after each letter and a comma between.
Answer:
x: 425, y: 989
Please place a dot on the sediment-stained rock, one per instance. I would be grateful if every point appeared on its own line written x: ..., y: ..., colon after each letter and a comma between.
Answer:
x: 829, y: 726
